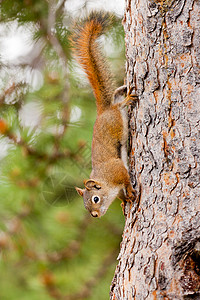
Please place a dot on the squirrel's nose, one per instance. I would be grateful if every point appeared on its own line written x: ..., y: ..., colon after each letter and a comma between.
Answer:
x: 94, y: 214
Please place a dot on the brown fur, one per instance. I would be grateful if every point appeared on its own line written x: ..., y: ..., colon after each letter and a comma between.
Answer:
x: 109, y: 177
x: 91, y: 59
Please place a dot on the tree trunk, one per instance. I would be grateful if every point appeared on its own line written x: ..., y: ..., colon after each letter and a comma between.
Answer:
x: 160, y: 250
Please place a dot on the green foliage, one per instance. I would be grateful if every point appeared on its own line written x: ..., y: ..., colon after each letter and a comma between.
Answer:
x: 24, y: 10
x: 50, y: 247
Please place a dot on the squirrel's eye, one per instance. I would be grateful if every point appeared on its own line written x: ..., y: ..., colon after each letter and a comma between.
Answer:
x: 95, y: 199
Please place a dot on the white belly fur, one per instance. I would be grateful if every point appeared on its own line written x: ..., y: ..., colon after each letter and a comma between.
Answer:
x: 124, y: 138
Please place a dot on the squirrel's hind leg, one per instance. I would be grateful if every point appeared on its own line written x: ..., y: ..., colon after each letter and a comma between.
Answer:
x: 119, y: 93
x: 130, y: 99
x: 118, y: 96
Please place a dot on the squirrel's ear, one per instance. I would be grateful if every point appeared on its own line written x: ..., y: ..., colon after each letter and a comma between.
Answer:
x: 79, y: 191
x: 92, y: 184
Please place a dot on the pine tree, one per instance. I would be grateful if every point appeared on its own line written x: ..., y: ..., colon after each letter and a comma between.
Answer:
x: 159, y: 257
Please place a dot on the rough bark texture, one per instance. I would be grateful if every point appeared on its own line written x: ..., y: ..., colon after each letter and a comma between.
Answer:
x: 160, y: 250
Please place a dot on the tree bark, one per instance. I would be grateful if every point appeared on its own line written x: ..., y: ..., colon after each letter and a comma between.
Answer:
x: 160, y: 249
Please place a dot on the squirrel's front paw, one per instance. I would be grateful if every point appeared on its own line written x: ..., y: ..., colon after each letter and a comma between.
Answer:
x: 123, y: 207
x: 131, y: 195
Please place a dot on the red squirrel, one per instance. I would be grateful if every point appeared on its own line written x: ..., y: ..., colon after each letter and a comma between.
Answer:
x: 109, y: 177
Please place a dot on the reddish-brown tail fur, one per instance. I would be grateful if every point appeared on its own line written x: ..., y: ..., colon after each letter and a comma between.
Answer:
x: 89, y: 55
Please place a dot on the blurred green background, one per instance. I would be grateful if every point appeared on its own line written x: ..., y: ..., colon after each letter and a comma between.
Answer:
x: 50, y: 248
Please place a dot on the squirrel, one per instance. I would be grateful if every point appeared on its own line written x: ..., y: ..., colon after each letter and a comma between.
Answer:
x: 109, y: 177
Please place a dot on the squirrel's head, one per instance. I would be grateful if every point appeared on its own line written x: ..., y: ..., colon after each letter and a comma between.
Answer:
x: 96, y: 198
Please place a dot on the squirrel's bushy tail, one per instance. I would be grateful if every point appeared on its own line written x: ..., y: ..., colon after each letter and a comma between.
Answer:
x: 89, y: 55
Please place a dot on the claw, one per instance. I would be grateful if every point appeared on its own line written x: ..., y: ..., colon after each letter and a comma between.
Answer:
x: 123, y: 207
x: 130, y: 98
x: 131, y: 195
